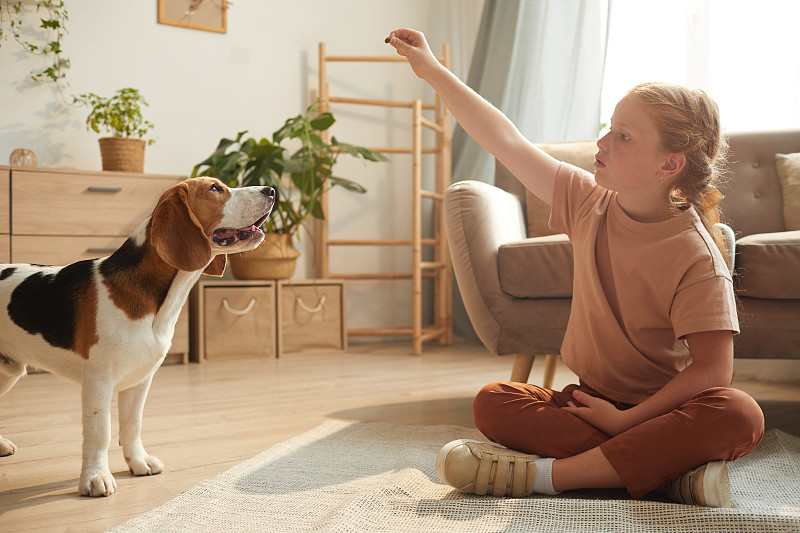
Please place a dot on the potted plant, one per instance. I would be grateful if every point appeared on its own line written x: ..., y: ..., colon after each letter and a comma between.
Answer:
x: 299, y: 178
x: 121, y: 116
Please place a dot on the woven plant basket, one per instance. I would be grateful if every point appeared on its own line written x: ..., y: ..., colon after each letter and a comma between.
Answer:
x: 122, y: 154
x: 275, y: 258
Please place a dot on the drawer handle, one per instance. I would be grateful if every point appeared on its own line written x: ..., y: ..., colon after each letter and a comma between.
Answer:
x: 105, y: 189
x: 239, y: 312
x: 317, y: 309
x: 101, y: 250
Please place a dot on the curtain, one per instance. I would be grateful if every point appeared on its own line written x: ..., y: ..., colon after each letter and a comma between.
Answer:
x: 540, y: 62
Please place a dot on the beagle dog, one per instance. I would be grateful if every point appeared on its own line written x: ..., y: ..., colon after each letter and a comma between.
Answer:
x: 107, y: 323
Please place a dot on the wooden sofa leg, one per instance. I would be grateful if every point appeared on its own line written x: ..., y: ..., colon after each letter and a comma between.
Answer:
x: 550, y: 364
x: 523, y: 363
x: 521, y: 370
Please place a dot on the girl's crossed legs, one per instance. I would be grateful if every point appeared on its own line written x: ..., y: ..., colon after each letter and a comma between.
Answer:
x: 718, y: 424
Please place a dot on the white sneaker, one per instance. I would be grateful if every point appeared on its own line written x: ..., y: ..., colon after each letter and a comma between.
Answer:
x: 484, y: 468
x: 707, y: 485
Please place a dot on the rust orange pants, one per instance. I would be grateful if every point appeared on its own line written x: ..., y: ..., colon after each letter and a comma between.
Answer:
x: 717, y: 424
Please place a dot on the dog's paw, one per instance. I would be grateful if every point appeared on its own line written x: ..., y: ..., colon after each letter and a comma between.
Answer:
x: 148, y: 465
x: 97, y: 484
x: 6, y: 447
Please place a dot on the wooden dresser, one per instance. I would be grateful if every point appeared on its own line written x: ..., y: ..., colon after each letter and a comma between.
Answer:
x: 57, y: 217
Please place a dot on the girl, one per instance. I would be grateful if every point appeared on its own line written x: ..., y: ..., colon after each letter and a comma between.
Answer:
x: 653, y: 311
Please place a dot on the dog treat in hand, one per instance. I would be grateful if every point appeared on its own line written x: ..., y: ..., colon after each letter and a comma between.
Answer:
x: 389, y: 38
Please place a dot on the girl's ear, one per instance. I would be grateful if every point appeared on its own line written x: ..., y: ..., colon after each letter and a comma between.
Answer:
x: 673, y: 165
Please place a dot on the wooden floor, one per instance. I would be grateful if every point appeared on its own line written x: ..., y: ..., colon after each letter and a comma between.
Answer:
x: 203, y: 419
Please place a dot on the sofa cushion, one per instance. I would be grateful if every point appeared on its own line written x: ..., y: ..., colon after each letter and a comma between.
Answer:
x: 539, y: 267
x: 578, y: 153
x: 788, y: 166
x: 768, y: 265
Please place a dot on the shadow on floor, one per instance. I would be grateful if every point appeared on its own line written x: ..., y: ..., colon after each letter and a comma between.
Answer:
x: 452, y: 411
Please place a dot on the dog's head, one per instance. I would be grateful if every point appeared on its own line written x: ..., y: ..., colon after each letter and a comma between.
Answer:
x: 199, y: 220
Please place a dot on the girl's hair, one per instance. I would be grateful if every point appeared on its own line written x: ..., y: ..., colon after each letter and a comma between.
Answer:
x: 688, y: 123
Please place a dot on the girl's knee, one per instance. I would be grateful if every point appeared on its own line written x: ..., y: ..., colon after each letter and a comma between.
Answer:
x: 485, y: 404
x: 747, y: 412
x: 498, y: 407
x: 496, y: 404
x: 740, y: 414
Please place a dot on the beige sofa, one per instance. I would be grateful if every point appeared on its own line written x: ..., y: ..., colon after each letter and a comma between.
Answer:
x: 515, y: 276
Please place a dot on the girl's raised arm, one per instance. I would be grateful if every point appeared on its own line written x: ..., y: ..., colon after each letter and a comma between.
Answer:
x: 481, y: 120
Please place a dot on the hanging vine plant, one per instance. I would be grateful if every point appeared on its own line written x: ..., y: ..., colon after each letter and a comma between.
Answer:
x: 45, y: 40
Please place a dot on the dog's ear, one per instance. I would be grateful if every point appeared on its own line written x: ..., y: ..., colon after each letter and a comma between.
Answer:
x: 217, y: 265
x: 176, y: 233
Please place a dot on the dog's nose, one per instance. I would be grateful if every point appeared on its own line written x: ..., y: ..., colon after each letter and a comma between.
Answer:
x: 269, y: 192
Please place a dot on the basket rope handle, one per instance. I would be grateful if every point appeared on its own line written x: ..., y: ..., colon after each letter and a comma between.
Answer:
x: 316, y: 309
x: 239, y: 312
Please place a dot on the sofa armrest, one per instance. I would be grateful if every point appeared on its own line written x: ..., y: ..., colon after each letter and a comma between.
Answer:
x: 478, y: 218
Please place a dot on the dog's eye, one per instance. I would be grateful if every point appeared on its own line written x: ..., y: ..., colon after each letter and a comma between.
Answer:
x: 215, y: 188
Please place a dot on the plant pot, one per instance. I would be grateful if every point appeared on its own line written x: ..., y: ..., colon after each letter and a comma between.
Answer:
x: 122, y: 154
x: 276, y: 258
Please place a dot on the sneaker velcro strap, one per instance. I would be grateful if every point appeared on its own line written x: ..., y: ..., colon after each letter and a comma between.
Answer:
x: 484, y: 473
x: 518, y: 481
x: 501, y: 475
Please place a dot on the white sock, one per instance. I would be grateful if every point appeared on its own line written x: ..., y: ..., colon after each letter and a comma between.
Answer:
x: 543, y: 482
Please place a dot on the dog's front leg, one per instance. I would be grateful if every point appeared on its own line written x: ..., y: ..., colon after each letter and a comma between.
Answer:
x: 10, y: 372
x: 131, y: 407
x: 96, y: 478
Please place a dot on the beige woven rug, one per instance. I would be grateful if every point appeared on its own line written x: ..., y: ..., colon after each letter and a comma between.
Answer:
x: 355, y: 477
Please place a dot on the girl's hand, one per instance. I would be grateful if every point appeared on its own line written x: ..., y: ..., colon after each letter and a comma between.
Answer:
x: 412, y: 45
x: 599, y: 413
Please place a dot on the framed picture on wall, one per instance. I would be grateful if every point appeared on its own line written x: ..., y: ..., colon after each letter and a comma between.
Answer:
x: 208, y: 15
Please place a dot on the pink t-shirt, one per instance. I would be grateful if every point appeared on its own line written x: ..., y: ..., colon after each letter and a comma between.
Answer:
x: 638, y: 290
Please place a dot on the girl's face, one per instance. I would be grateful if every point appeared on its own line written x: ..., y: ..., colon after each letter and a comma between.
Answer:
x: 630, y: 157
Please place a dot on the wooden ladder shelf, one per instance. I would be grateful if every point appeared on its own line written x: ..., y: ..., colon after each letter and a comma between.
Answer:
x: 438, y: 269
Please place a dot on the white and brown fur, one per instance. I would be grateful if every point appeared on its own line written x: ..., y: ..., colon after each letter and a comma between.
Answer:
x: 107, y: 323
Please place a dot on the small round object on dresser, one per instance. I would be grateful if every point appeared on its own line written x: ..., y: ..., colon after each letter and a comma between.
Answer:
x: 23, y: 157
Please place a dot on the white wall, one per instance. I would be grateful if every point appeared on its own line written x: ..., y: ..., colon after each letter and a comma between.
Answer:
x: 202, y: 86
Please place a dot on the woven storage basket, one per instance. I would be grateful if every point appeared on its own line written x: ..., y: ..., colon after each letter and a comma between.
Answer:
x: 122, y: 153
x: 276, y: 258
